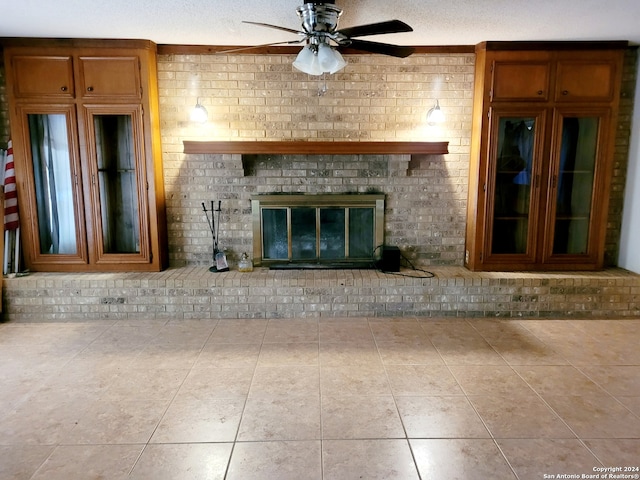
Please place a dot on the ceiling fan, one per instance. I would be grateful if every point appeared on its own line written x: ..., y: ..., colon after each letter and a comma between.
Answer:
x: 321, y: 34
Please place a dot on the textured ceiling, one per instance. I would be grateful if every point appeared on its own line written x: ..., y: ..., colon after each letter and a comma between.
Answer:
x: 218, y: 22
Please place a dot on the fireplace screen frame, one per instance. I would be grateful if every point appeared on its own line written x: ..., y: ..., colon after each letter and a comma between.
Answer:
x: 316, y: 201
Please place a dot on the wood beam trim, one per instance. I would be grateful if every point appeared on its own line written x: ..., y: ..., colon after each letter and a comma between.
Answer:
x: 288, y: 50
x: 315, y: 148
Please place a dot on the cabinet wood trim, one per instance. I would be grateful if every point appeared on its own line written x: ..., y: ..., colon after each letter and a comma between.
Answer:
x: 551, y: 45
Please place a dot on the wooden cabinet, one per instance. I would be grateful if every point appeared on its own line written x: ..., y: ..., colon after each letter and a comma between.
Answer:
x: 109, y: 77
x: 523, y: 78
x: 586, y: 78
x: 42, y: 76
x: 542, y: 150
x: 85, y: 129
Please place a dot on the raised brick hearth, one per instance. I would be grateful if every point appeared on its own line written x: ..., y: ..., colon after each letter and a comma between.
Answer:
x: 195, y: 293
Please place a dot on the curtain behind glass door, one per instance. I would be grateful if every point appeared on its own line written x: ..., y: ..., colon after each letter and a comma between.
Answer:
x: 53, y: 179
x: 118, y: 184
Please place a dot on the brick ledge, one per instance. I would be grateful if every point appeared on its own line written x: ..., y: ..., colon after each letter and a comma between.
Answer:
x: 195, y: 293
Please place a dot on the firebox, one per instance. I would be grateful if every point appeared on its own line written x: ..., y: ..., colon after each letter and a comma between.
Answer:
x: 317, y: 230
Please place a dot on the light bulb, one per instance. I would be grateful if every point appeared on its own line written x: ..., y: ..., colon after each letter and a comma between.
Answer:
x: 435, y: 115
x: 199, y: 114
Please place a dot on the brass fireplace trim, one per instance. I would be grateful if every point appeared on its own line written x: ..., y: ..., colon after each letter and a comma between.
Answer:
x: 348, y: 200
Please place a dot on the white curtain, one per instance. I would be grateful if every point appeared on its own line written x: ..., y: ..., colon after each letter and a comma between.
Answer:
x: 53, y: 182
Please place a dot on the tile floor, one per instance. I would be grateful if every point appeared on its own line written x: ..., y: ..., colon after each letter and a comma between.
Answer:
x: 319, y: 399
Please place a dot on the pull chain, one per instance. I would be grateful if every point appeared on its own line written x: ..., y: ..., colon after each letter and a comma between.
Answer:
x: 322, y: 85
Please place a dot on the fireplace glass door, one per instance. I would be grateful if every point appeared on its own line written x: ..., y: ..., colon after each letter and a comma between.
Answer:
x: 318, y: 234
x: 327, y: 234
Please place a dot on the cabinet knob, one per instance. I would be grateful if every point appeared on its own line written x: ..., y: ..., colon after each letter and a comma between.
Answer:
x: 565, y: 92
x: 89, y: 89
x: 540, y: 92
x: 63, y: 89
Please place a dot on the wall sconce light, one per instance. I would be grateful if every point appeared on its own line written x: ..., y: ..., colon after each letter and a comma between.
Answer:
x: 199, y: 113
x: 435, y: 115
x: 316, y: 59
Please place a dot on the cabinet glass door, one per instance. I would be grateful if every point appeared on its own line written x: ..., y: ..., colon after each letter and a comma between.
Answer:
x: 511, y: 220
x: 117, y: 185
x: 574, y: 183
x: 55, y: 232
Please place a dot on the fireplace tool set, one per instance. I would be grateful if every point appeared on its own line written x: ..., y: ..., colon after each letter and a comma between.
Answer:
x: 219, y: 259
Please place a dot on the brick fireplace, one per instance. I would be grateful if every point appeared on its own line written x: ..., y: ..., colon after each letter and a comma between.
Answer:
x: 305, y: 182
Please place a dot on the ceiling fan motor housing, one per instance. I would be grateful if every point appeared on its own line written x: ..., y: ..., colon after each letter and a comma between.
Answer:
x: 319, y: 17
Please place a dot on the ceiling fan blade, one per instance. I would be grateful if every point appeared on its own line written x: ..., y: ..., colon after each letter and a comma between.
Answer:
x: 290, y: 30
x: 240, y: 49
x: 391, y: 26
x: 400, y: 51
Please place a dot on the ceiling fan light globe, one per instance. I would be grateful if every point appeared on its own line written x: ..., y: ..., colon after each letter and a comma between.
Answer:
x: 330, y: 59
x: 307, y: 62
x: 340, y: 62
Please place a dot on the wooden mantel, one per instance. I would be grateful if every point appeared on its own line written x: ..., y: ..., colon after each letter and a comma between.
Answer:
x: 317, y: 148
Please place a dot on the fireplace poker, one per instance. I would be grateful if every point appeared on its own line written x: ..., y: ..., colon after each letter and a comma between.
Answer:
x: 219, y: 258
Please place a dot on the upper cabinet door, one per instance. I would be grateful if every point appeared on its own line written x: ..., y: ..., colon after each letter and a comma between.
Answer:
x: 115, y: 77
x: 586, y: 80
x: 42, y: 76
x: 515, y: 80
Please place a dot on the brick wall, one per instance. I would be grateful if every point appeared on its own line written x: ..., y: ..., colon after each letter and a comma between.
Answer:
x: 621, y: 157
x: 261, y: 97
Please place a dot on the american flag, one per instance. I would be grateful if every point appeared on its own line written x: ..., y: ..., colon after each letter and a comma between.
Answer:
x: 11, y: 220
